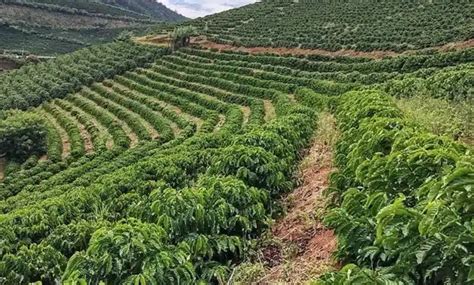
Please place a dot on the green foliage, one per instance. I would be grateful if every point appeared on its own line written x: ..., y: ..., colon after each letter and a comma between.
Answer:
x: 329, y: 25
x: 391, y: 217
x: 440, y: 116
x: 22, y: 135
x: 131, y: 250
x: 174, y: 166
x: 31, y: 85
x: 177, y: 213
x: 450, y: 83
x: 351, y: 274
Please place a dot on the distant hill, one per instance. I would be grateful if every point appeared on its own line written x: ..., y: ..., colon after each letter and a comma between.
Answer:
x: 114, y: 8
x: 147, y: 7
x: 59, y: 26
x: 394, y: 25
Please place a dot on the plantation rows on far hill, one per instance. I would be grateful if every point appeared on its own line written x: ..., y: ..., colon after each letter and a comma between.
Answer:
x: 334, y: 25
x: 50, y: 27
x: 157, y: 167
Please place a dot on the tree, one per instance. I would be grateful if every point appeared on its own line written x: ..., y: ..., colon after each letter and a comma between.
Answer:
x: 181, y: 36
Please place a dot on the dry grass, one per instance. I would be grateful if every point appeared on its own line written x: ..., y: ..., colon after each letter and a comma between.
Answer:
x: 298, y: 247
x: 270, y: 112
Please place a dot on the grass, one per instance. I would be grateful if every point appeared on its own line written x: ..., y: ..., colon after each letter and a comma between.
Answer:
x: 441, y: 117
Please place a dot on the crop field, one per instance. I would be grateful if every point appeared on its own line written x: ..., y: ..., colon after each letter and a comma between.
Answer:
x: 357, y: 25
x: 164, y: 172
x: 133, y: 163
x: 52, y: 27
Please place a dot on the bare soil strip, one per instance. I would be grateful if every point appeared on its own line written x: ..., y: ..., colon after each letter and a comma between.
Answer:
x: 219, y: 123
x: 203, y: 42
x: 85, y: 135
x: 269, y: 110
x: 160, y: 40
x: 246, y: 111
x: 306, y: 246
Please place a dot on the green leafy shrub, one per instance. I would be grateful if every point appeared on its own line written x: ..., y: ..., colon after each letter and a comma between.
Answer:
x: 22, y: 135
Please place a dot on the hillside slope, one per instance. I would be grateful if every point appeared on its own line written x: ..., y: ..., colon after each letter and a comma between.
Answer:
x: 133, y: 163
x: 59, y: 26
x: 148, y: 7
x: 334, y: 25
x: 118, y: 8
x: 187, y: 154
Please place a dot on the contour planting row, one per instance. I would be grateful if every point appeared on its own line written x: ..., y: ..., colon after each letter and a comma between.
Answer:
x: 328, y: 25
x: 31, y: 85
x: 103, y: 105
x: 402, y: 207
x: 240, y: 172
x: 231, y: 78
x: 328, y: 76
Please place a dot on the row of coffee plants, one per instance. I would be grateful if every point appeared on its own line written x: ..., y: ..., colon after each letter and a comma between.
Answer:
x: 215, y: 70
x: 180, y: 215
x: 329, y: 25
x: 453, y: 83
x: 191, y: 70
x: 131, y: 92
x: 32, y: 85
x: 401, y: 64
x: 181, y: 207
x: 401, y: 198
x: 446, y: 75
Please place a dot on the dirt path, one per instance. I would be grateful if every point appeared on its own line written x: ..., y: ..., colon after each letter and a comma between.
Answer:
x: 86, y: 137
x: 269, y: 110
x: 246, y: 111
x: 299, y: 247
x: 159, y: 40
x: 202, y: 42
x: 3, y: 163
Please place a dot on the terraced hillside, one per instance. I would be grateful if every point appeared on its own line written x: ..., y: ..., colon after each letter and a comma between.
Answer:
x: 140, y: 9
x: 33, y: 84
x: 335, y: 25
x: 49, y: 27
x: 164, y: 171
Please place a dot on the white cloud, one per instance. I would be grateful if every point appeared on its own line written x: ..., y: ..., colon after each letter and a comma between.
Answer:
x: 200, y: 8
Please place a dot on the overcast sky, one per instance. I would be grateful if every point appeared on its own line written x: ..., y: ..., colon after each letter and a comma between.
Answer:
x: 199, y: 8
